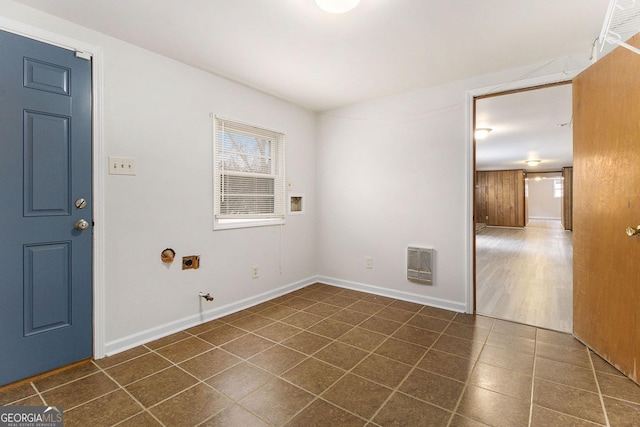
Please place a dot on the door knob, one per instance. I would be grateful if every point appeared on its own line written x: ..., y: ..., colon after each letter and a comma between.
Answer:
x: 632, y: 231
x: 81, y: 225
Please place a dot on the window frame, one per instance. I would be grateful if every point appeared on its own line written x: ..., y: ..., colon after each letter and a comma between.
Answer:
x: 277, y: 172
x: 558, y: 188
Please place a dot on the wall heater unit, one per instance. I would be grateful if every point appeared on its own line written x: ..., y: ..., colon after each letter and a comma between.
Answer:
x: 420, y: 264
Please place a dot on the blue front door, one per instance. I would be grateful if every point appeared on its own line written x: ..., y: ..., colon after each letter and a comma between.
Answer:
x: 45, y: 192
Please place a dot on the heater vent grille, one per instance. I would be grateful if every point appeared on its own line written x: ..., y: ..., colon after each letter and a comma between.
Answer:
x: 420, y: 264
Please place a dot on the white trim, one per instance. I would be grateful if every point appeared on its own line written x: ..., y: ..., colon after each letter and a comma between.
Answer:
x: 220, y: 224
x: 391, y: 293
x: 251, y: 125
x: 97, y: 76
x: 565, y: 76
x: 134, y: 340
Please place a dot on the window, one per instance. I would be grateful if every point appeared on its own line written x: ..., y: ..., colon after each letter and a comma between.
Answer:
x: 557, y: 188
x: 248, y: 175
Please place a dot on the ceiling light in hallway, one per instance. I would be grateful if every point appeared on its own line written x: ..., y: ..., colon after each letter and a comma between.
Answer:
x: 482, y: 133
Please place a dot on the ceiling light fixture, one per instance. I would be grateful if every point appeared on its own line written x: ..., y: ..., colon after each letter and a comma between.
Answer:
x: 337, y: 6
x: 481, y: 133
x: 532, y: 162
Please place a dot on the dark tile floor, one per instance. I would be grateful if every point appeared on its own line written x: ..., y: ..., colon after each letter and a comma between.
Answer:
x: 327, y: 356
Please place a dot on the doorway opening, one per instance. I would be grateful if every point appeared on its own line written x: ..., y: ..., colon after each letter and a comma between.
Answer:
x: 522, y: 206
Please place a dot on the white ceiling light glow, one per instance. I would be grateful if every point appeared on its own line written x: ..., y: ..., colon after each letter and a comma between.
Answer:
x: 337, y: 6
x: 482, y: 133
x: 532, y: 162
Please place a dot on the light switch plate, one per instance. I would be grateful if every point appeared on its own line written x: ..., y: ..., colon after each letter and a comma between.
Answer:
x: 122, y: 166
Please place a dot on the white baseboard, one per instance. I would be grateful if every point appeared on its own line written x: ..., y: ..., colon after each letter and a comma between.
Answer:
x: 391, y: 293
x: 134, y: 340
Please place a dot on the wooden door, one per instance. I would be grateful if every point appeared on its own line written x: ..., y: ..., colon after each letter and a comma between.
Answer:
x: 45, y: 168
x: 606, y: 173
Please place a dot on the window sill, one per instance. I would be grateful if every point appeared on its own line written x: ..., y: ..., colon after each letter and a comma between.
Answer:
x: 227, y: 224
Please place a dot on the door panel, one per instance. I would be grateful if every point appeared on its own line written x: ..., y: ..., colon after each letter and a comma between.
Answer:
x: 47, y: 296
x: 46, y: 143
x: 45, y: 263
x: 606, y: 201
x: 46, y: 77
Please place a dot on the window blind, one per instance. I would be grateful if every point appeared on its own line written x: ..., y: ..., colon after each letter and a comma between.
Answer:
x: 249, y: 180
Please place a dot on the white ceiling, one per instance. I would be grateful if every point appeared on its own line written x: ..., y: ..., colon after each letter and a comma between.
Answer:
x: 534, y: 124
x: 293, y: 50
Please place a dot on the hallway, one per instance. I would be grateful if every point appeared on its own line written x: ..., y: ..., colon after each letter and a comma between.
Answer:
x: 525, y: 275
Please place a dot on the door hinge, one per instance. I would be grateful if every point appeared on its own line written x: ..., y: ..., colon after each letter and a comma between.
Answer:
x: 83, y: 55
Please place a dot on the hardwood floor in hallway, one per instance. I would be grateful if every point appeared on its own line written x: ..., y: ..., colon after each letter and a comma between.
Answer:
x: 525, y: 275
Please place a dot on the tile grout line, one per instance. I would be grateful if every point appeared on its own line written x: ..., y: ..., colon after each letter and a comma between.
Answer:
x: 37, y: 392
x: 396, y: 389
x: 350, y: 371
x: 533, y: 377
x: 333, y: 340
x: 41, y: 393
x: 176, y: 365
x: 144, y: 408
x: 203, y: 382
x: 595, y: 376
x: 307, y: 357
x: 371, y: 352
x: 468, y: 380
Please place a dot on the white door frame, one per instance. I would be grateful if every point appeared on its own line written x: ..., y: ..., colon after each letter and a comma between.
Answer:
x: 97, y: 69
x: 471, y: 94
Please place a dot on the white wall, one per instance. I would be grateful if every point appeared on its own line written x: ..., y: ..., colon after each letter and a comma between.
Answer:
x: 542, y: 204
x: 396, y: 172
x: 156, y: 110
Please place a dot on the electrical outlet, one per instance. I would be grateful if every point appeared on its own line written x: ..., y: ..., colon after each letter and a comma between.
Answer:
x: 122, y: 166
x: 368, y: 262
x: 254, y: 272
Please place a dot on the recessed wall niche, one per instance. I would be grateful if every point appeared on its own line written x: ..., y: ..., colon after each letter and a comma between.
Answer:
x: 296, y: 204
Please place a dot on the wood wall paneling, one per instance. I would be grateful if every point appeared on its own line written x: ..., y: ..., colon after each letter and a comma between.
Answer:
x: 500, y: 199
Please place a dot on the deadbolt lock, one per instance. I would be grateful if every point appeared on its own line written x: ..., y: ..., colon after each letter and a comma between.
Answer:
x: 80, y: 203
